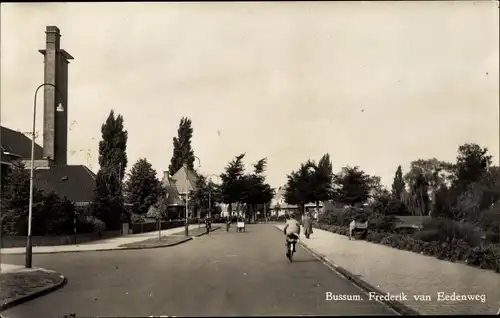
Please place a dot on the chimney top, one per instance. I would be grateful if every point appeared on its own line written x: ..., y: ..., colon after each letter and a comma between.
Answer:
x: 52, y: 29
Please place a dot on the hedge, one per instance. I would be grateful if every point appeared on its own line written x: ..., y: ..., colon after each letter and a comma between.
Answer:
x: 484, y: 255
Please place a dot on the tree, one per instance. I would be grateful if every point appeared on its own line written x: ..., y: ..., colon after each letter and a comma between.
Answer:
x: 472, y: 163
x: 323, y: 179
x: 51, y: 213
x: 398, y: 185
x: 182, y: 153
x: 436, y: 173
x: 232, y: 186
x: 471, y: 189
x: 55, y: 215
x: 108, y: 201
x: 299, y: 189
x: 15, y: 200
x: 113, y: 146
x: 162, y: 203
x: 420, y: 194
x: 143, y: 188
x: 354, y: 186
x: 257, y: 192
x: 199, y: 197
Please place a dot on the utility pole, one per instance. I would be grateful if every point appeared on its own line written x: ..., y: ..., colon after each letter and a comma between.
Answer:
x: 265, y: 212
x: 186, y: 223
x: 210, y: 204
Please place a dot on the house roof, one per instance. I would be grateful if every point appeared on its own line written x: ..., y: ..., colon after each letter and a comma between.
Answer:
x: 173, y: 197
x: 76, y: 183
x: 182, y: 176
x: 17, y: 143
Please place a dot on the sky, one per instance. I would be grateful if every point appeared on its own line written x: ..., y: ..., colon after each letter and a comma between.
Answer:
x: 374, y: 84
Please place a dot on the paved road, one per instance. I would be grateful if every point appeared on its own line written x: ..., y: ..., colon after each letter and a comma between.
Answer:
x: 224, y: 274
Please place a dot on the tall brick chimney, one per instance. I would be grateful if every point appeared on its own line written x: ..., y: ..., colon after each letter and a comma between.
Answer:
x: 55, y: 124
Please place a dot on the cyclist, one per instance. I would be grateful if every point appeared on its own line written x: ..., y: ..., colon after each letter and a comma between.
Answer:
x: 291, y: 230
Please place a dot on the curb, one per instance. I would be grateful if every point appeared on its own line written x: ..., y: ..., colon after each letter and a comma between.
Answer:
x: 397, y: 306
x: 147, y: 247
x: 19, y: 300
x: 205, y: 233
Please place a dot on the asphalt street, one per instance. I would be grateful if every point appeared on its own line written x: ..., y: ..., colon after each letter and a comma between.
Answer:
x: 222, y: 274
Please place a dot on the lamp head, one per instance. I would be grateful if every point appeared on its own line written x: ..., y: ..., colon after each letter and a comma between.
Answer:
x: 60, y: 108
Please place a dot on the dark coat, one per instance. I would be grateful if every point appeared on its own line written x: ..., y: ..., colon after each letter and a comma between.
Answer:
x: 308, y: 224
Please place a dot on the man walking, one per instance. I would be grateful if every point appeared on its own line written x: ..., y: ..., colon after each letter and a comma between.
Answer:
x: 307, y: 223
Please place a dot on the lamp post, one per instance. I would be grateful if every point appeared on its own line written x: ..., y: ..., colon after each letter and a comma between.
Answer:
x: 29, y: 247
x: 186, y: 223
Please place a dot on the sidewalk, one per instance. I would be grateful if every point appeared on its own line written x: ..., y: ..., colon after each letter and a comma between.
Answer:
x: 395, y: 271
x: 99, y: 245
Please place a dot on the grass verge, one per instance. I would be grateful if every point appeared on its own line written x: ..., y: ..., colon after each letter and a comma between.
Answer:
x: 18, y: 285
x: 168, y: 240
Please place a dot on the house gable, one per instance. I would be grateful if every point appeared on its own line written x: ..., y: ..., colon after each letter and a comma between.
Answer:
x: 185, y: 179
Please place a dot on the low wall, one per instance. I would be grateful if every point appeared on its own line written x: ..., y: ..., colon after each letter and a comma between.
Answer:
x: 20, y: 241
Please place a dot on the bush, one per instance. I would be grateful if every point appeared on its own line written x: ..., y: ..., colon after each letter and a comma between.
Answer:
x: 428, y: 235
x: 136, y: 218
x: 431, y: 242
x: 97, y: 225
x: 383, y: 223
x: 445, y: 229
x: 342, y: 217
x: 484, y: 256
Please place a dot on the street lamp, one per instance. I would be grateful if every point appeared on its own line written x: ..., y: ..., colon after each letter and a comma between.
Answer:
x: 186, y: 223
x: 60, y: 108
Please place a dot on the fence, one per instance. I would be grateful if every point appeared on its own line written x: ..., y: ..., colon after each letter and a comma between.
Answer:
x: 153, y: 226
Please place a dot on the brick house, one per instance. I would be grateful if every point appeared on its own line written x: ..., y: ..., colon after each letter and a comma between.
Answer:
x: 176, y: 186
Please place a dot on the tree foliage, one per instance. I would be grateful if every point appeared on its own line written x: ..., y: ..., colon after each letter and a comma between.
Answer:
x: 108, y: 201
x: 354, y: 186
x: 473, y: 162
x: 300, y: 189
x: 436, y: 172
x: 323, y: 179
x: 398, y: 185
x: 202, y: 194
x: 183, y: 152
x: 232, y: 186
x: 142, y: 188
x: 257, y: 192
x: 51, y: 213
x: 113, y: 147
x: 15, y: 200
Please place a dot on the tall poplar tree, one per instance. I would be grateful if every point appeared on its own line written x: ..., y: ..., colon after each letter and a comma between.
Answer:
x: 182, y: 153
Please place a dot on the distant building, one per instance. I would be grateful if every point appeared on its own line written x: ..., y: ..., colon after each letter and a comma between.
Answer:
x: 52, y: 173
x: 280, y: 207
x: 176, y: 187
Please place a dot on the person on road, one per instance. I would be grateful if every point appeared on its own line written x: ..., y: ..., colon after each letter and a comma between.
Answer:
x: 291, y: 229
x: 307, y: 223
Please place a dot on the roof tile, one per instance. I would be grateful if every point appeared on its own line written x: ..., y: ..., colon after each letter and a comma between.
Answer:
x: 76, y: 183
